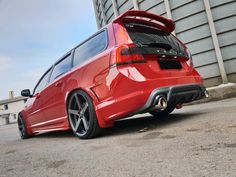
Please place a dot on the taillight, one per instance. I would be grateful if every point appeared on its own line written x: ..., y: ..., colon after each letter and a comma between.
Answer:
x: 128, y: 54
x: 190, y: 60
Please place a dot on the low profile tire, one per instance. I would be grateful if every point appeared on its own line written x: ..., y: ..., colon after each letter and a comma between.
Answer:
x: 164, y: 113
x: 22, y: 127
x: 82, y: 116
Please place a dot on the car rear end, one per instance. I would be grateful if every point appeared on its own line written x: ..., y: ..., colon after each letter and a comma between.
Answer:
x: 149, y: 64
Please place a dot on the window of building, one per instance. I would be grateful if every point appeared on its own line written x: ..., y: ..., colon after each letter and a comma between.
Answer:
x: 14, y: 116
x: 90, y: 48
x: 62, y: 67
x: 6, y: 107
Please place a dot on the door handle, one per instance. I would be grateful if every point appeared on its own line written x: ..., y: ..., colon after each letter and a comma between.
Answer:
x: 58, y: 84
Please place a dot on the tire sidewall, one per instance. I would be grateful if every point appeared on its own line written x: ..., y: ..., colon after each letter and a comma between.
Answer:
x: 25, y: 135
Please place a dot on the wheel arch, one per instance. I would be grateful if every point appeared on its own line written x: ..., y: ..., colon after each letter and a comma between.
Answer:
x: 90, y: 93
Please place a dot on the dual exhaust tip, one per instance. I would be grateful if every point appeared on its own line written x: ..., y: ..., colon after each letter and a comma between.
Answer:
x: 160, y: 103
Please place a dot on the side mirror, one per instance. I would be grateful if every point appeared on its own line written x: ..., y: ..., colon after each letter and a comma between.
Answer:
x: 26, y: 93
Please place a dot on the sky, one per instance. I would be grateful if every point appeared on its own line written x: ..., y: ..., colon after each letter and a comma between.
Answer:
x: 36, y: 33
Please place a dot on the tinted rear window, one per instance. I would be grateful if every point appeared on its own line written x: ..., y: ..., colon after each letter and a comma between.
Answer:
x: 90, y: 48
x: 143, y: 35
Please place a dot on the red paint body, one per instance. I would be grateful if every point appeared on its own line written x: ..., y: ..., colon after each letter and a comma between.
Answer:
x: 116, y: 90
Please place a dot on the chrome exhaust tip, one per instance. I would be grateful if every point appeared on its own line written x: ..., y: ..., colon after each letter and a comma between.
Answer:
x: 206, y: 94
x: 161, y: 103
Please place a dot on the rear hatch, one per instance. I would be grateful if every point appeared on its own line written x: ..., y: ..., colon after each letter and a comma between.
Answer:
x: 159, y: 45
x: 143, y: 37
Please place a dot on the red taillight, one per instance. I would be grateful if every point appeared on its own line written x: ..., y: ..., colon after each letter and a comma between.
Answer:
x: 128, y: 54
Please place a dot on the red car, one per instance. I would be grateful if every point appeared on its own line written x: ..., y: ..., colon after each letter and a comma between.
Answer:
x: 132, y: 65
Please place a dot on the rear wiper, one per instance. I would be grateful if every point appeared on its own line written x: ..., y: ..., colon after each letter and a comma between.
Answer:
x: 159, y: 45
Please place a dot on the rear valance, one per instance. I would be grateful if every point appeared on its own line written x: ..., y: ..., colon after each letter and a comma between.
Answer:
x: 143, y: 15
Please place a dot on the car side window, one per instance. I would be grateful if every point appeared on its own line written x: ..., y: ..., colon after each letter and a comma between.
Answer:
x: 90, y: 48
x: 62, y: 67
x: 43, y: 82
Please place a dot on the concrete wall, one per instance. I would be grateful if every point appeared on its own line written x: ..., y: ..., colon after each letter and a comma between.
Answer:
x: 193, y: 28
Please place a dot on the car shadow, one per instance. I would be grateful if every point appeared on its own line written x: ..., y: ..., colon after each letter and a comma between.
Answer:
x: 56, y: 134
x: 147, y: 123
x: 130, y: 125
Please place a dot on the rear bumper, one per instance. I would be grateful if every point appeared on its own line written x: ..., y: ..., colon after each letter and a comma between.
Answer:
x: 143, y: 101
x: 129, y: 90
x: 175, y: 95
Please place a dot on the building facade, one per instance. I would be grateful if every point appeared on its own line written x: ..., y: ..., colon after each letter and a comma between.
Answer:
x: 207, y: 27
x: 10, y: 108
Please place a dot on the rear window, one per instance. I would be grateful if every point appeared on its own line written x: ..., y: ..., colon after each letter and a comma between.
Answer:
x: 149, y: 36
x: 90, y: 48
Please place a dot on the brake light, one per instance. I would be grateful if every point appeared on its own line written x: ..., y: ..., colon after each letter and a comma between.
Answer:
x: 128, y: 54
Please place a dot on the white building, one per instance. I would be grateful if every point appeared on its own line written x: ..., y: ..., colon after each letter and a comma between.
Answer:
x: 10, y: 108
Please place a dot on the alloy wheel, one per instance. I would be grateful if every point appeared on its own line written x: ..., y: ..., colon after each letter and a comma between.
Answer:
x: 21, y: 127
x: 79, y: 117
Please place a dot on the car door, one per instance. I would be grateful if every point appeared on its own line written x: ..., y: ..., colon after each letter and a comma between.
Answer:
x: 34, y: 104
x: 55, y: 106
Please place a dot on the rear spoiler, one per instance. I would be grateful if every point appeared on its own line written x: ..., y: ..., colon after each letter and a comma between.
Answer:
x: 143, y: 15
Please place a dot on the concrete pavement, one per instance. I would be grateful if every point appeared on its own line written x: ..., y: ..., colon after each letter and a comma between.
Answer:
x: 198, y: 140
